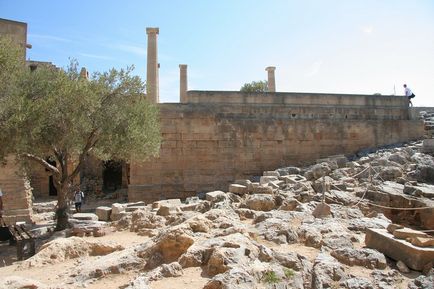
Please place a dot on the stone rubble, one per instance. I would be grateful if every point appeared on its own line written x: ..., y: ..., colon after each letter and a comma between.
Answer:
x: 295, y: 228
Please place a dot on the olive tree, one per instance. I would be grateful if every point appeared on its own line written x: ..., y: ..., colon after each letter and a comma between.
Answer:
x: 255, y: 86
x: 53, y: 114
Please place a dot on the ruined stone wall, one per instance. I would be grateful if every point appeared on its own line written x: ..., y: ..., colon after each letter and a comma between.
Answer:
x: 17, y: 196
x: 207, y: 145
x: 15, y: 30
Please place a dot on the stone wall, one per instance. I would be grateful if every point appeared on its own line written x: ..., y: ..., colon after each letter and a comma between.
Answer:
x: 17, y: 193
x: 220, y: 137
x: 17, y: 31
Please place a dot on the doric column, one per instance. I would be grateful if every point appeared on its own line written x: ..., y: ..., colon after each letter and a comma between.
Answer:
x: 271, y: 79
x: 152, y: 87
x: 183, y: 86
x: 84, y: 74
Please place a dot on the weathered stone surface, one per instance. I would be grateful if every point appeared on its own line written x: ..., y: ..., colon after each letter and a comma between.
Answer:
x: 85, y: 216
x: 277, y: 230
x: 322, y: 210
x: 62, y: 249
x: 238, y: 189
x: 103, y: 213
x: 216, y: 196
x: 326, y: 271
x: 130, y: 209
x: 414, y: 257
x: 174, y: 202
x: 422, y: 242
x: 357, y: 283
x: 405, y: 233
x: 260, y: 202
x: 233, y: 279
x: 167, y: 209
x: 361, y: 257
x: 402, y: 267
x: 422, y: 282
x: 169, y: 246
x: 262, y: 189
x: 16, y: 282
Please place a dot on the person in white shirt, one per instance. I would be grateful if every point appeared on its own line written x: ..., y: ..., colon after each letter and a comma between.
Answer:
x: 1, y: 203
x: 409, y: 94
x: 78, y: 199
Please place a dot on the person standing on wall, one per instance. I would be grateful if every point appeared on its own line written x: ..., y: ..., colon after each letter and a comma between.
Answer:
x: 1, y: 203
x: 409, y: 94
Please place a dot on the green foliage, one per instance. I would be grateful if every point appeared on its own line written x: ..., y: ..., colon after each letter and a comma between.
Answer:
x: 270, y: 277
x: 289, y: 273
x: 54, y: 113
x: 255, y: 86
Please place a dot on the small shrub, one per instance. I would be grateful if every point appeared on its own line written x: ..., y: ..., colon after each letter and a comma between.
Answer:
x: 270, y: 277
x: 289, y: 273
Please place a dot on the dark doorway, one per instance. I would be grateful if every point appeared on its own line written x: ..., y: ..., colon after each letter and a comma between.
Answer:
x: 112, y: 176
x: 52, y: 191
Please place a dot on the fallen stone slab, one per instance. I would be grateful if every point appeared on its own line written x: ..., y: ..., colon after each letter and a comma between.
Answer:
x: 85, y: 217
x: 215, y: 196
x: 238, y: 189
x: 136, y: 204
x: 174, y: 202
x: 414, y: 257
x: 405, y: 233
x: 422, y: 242
x: 134, y: 208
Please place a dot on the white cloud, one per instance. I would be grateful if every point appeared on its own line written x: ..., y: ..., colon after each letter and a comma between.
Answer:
x: 367, y: 29
x: 49, y: 38
x: 314, y: 69
x: 130, y: 48
x: 96, y: 56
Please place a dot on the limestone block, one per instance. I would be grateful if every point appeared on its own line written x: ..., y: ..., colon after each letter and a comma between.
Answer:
x: 103, y: 213
x: 428, y: 145
x: 238, y: 189
x: 392, y: 227
x: 167, y: 209
x: 264, y: 180
x: 175, y: 202
x: 118, y: 208
x: 85, y: 216
x: 414, y: 257
x: 271, y: 174
x: 405, y: 233
x: 136, y: 204
x: 134, y: 208
x: 263, y: 189
x: 216, y: 196
x: 293, y: 179
x: 422, y: 242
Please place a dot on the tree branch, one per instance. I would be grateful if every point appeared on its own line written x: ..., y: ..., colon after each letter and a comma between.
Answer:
x: 91, y: 141
x: 42, y: 162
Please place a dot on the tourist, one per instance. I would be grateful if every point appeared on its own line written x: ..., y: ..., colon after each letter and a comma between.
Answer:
x: 78, y: 199
x: 409, y: 94
x: 1, y: 203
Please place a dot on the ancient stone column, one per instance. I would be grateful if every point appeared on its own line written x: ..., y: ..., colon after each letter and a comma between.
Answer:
x: 84, y: 74
x: 183, y: 86
x: 271, y: 79
x: 152, y: 87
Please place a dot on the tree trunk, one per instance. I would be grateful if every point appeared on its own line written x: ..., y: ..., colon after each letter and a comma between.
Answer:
x: 62, y: 209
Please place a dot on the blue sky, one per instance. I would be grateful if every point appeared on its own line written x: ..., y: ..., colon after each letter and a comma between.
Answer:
x: 341, y: 46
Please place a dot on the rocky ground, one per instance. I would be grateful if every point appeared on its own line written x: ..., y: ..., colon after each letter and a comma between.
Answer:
x: 293, y: 228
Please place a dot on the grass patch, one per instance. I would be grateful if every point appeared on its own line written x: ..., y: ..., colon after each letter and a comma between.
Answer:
x: 289, y: 273
x: 270, y: 277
